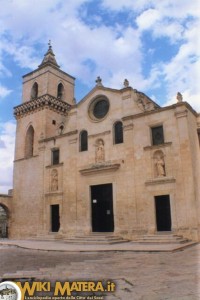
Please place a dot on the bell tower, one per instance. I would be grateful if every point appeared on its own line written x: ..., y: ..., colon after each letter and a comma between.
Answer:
x: 48, y: 94
x: 48, y: 79
x: 47, y: 97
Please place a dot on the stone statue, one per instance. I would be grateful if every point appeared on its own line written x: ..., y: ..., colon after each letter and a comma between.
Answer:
x: 54, y: 180
x: 179, y: 97
x: 100, y: 152
x: 160, y: 166
x: 126, y: 83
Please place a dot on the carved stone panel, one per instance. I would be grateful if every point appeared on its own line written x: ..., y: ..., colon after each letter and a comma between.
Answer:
x: 99, y: 151
x: 159, y: 164
x: 54, y: 180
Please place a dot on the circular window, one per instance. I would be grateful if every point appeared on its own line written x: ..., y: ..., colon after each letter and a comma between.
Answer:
x: 99, y: 108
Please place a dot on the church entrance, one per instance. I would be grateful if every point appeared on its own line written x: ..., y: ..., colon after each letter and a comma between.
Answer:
x: 102, y: 208
x: 163, y: 213
x: 55, y: 218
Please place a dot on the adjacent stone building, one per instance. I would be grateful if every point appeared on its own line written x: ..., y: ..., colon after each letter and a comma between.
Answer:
x: 114, y: 162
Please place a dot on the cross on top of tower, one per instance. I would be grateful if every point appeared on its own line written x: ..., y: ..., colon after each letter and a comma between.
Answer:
x: 49, y: 57
x: 49, y: 44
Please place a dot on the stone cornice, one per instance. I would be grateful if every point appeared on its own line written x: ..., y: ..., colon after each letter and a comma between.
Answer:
x: 99, y: 134
x: 54, y: 166
x: 53, y: 138
x: 161, y: 180
x: 153, y: 147
x: 45, y: 101
x: 101, y: 167
x: 161, y: 109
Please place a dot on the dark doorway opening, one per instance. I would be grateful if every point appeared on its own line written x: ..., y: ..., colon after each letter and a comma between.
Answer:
x: 55, y: 218
x: 3, y: 222
x: 102, y: 208
x: 163, y: 213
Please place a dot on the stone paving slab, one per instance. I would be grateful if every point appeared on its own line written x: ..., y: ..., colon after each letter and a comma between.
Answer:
x: 58, y: 245
x: 138, y: 275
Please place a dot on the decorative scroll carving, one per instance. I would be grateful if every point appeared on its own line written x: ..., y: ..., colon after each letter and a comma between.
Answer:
x: 145, y: 103
x: 45, y: 101
x: 54, y: 180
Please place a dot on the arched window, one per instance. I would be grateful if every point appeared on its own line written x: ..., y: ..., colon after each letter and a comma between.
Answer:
x: 34, y: 91
x: 83, y: 141
x: 118, y: 133
x: 29, y: 142
x: 60, y: 91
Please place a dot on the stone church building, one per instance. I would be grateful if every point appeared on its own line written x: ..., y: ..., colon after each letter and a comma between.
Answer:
x: 114, y: 162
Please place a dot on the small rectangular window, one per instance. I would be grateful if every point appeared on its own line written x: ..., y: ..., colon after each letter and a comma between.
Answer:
x: 55, y: 156
x: 157, y: 135
x: 83, y: 141
x: 118, y: 133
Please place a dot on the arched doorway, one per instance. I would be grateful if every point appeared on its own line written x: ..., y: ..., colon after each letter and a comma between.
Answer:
x: 3, y: 221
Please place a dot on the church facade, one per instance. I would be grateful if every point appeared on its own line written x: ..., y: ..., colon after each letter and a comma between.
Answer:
x: 114, y: 162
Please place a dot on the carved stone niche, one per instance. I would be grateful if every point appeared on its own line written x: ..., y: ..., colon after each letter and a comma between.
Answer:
x: 54, y: 180
x: 99, y: 151
x: 159, y: 164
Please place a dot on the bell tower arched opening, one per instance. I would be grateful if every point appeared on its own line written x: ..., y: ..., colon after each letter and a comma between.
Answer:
x: 60, y: 91
x: 34, y: 91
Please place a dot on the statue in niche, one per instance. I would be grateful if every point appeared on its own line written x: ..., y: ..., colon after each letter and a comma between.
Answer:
x: 54, y: 180
x: 100, y: 152
x: 160, y: 166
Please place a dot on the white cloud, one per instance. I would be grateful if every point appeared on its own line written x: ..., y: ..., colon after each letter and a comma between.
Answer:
x: 7, y: 144
x: 4, y: 91
x: 114, y: 51
x: 136, y: 5
x: 74, y: 42
x: 147, y: 19
x: 169, y: 8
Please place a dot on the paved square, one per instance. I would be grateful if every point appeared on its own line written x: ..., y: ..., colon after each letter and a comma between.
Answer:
x: 138, y: 275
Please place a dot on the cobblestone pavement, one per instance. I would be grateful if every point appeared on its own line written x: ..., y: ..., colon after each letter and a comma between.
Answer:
x: 138, y: 276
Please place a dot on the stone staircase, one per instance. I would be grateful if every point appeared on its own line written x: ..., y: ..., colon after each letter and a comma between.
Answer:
x: 97, y: 238
x: 94, y: 238
x: 162, y: 238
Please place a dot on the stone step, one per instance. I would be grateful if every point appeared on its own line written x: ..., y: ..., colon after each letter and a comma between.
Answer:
x: 96, y: 238
x: 161, y: 242
x: 162, y: 239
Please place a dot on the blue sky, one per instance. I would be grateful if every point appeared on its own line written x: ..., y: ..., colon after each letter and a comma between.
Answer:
x: 154, y: 44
